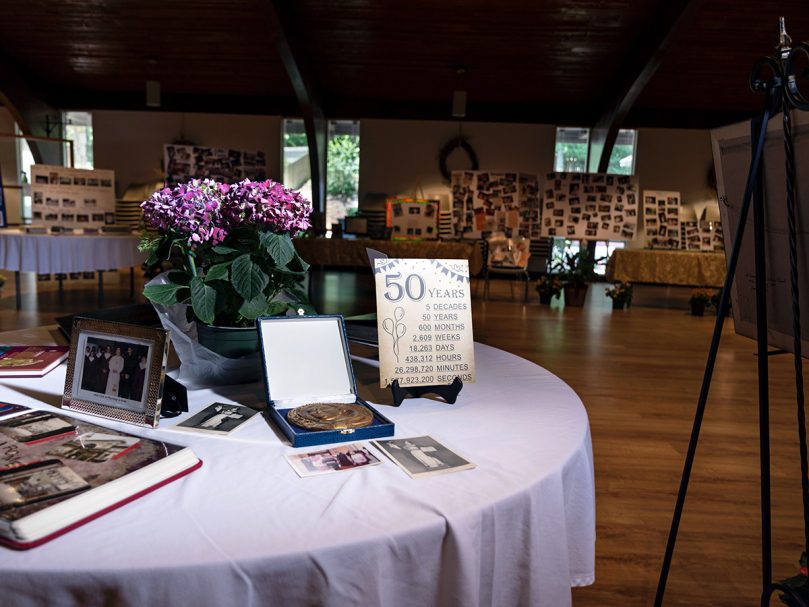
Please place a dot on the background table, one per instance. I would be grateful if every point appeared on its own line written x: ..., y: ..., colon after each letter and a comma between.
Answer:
x: 351, y: 253
x: 65, y: 253
x: 667, y: 267
x: 246, y: 530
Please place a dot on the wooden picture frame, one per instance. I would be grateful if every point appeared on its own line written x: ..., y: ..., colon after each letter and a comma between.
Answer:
x: 116, y: 370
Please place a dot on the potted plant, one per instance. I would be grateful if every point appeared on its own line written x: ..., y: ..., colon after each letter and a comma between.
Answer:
x: 548, y: 287
x: 620, y: 294
x: 716, y: 298
x: 577, y: 270
x: 231, y: 254
x: 699, y: 299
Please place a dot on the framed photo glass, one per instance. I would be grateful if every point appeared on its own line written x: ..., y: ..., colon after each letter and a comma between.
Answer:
x: 116, y: 370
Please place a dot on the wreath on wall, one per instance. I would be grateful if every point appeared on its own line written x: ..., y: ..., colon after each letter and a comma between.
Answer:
x: 451, y: 146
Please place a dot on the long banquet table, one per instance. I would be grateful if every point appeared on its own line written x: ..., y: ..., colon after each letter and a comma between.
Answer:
x: 519, y: 529
x: 688, y: 268
x: 65, y: 253
x: 351, y: 253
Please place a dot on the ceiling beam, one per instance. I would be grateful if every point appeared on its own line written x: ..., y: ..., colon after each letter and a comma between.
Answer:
x: 633, y: 74
x: 287, y: 35
x: 35, y: 116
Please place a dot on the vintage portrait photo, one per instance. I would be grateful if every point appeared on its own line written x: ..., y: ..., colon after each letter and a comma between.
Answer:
x: 95, y: 447
x: 335, y: 459
x: 116, y: 370
x: 218, y: 418
x: 35, y: 426
x: 422, y: 456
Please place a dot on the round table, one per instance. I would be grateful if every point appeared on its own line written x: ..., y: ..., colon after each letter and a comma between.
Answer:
x: 519, y: 529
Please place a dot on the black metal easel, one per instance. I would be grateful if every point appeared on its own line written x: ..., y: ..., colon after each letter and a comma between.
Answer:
x: 777, y: 78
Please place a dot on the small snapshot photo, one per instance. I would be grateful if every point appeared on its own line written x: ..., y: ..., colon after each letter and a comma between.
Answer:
x: 335, y: 459
x: 422, y: 456
x: 95, y: 447
x: 36, y: 482
x: 35, y: 426
x: 115, y: 367
x: 218, y: 418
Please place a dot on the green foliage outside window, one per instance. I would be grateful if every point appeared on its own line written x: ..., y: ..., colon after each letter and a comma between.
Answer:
x: 343, y: 167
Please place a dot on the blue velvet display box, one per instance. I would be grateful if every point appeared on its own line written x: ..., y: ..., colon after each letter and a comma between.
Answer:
x: 306, y: 360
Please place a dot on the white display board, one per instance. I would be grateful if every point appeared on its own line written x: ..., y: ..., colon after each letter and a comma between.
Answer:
x: 412, y: 218
x: 185, y: 162
x: 72, y: 198
x: 703, y: 236
x: 592, y: 206
x: 661, y: 217
x: 485, y: 201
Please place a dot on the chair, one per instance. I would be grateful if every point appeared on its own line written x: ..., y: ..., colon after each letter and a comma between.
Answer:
x: 508, y: 257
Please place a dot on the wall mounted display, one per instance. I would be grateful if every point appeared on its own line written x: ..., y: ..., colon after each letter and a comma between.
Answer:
x: 592, y: 206
x: 72, y: 198
x: 661, y: 216
x: 484, y: 202
x: 412, y: 218
x: 185, y: 162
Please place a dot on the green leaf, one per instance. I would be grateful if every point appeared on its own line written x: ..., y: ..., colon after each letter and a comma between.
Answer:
x: 217, y: 272
x: 276, y: 308
x: 203, y: 300
x: 165, y: 295
x: 223, y: 250
x: 297, y: 264
x: 248, y: 279
x: 279, y: 246
x: 253, y: 308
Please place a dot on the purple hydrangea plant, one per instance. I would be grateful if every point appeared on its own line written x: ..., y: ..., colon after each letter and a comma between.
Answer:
x: 230, y: 247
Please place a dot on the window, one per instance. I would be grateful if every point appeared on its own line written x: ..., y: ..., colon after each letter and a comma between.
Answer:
x: 342, y: 165
x: 572, y: 148
x: 79, y: 129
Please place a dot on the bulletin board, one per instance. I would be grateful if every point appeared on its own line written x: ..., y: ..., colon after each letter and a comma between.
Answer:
x: 412, y: 218
x: 484, y: 202
x: 593, y: 206
x: 661, y: 217
x: 72, y: 198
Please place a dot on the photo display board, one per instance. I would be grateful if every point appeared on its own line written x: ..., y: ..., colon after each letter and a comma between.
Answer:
x: 412, y: 218
x: 661, y: 216
x: 484, y: 202
x: 590, y: 206
x: 424, y: 316
x: 702, y: 236
x: 72, y: 198
x: 186, y: 162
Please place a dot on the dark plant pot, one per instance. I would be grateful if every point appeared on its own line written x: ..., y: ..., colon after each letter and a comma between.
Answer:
x: 545, y: 298
x: 618, y: 304
x: 230, y: 342
x: 697, y: 309
x: 575, y: 295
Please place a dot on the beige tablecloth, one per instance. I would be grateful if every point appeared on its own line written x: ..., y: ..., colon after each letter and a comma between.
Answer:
x: 667, y: 267
x: 343, y: 252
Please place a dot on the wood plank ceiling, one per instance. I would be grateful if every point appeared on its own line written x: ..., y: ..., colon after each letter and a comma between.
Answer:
x: 548, y: 61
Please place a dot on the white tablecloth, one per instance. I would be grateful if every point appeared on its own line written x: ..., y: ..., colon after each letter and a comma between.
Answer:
x: 49, y: 253
x: 246, y: 530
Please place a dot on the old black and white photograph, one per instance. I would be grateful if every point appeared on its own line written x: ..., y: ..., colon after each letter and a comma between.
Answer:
x: 217, y: 418
x: 422, y: 456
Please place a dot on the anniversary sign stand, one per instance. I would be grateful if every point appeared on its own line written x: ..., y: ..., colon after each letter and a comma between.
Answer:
x: 424, y: 319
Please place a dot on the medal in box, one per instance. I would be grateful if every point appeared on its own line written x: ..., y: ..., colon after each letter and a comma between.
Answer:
x: 311, y: 390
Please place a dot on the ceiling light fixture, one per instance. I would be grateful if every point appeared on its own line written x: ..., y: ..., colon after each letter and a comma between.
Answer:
x: 152, y: 86
x: 459, y: 97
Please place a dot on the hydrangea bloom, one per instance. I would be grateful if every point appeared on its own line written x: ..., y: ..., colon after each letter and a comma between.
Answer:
x: 205, y: 211
x: 268, y: 205
x: 192, y: 209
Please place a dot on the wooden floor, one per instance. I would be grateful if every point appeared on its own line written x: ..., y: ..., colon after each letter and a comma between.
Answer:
x: 638, y: 373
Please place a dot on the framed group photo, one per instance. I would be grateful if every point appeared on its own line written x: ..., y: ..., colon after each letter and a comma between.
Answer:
x: 116, y: 370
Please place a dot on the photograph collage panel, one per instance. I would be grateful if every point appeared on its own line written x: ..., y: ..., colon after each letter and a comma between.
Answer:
x: 72, y: 198
x: 705, y: 236
x: 412, y: 218
x: 485, y: 202
x: 661, y: 218
x: 592, y: 206
x: 185, y: 162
